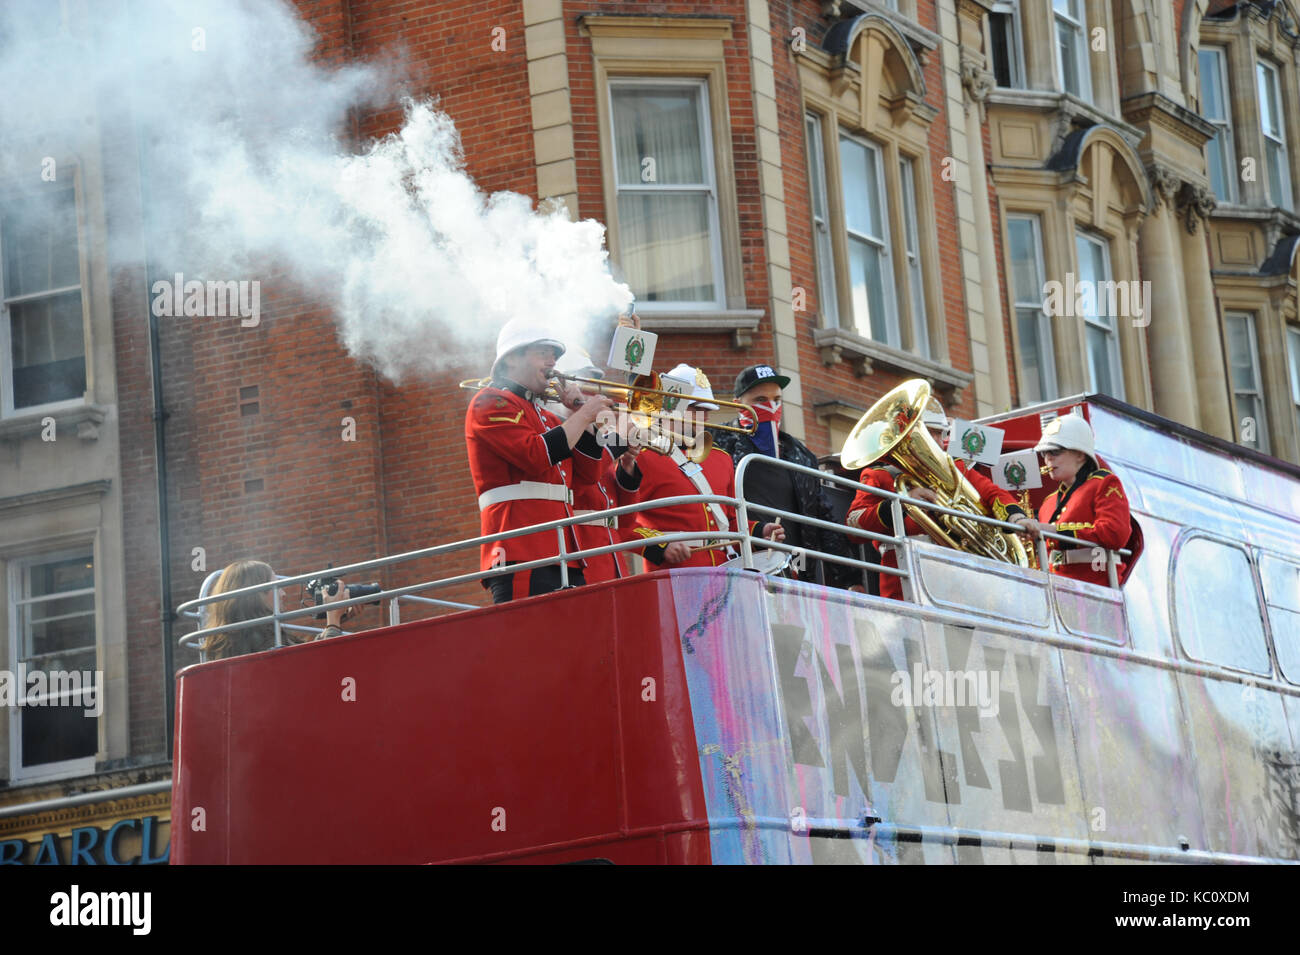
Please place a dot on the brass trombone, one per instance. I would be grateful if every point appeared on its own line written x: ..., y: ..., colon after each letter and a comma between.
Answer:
x: 642, y: 396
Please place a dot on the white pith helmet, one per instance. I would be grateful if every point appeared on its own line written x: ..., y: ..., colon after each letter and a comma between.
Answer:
x: 701, y: 393
x: 934, y: 416
x: 1068, y: 432
x: 520, y: 333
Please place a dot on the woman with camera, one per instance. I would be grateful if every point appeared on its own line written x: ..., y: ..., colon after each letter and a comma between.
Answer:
x: 233, y: 643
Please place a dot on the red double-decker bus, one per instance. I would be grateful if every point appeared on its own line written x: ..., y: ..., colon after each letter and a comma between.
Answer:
x: 727, y: 716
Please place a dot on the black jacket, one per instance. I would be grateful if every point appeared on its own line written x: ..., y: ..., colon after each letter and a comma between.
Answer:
x: 810, y: 498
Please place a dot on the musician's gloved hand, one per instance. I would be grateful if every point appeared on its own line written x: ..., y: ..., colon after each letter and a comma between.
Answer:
x: 773, y: 532
x: 677, y: 552
x: 923, y: 494
x: 627, y: 461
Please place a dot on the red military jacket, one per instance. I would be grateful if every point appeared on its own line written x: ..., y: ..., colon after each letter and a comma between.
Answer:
x: 510, y: 440
x: 616, y: 488
x: 1096, y: 511
x: 662, y: 478
x: 872, y: 513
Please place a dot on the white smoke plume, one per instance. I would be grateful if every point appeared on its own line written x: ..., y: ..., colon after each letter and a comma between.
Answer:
x: 246, y: 172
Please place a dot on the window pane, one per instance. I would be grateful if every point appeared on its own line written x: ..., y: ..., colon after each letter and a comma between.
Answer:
x: 1218, y: 613
x: 1293, y: 346
x: 51, y: 734
x: 861, y: 188
x: 1032, y: 388
x: 1099, y: 362
x: 1067, y: 50
x: 1219, y: 163
x: 1028, y: 283
x: 815, y: 161
x: 38, y: 233
x: 1278, y: 191
x: 1282, y: 594
x: 920, y: 335
x: 1240, y: 361
x: 666, y: 248
x: 47, y: 347
x: 1267, y: 100
x: 1002, y: 32
x: 1212, y: 93
x: 868, y: 298
x: 660, y: 124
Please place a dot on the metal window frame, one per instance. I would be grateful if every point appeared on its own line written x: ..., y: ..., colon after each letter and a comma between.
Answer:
x: 1223, y: 140
x: 1046, y: 337
x: 709, y: 188
x: 893, y: 330
x: 16, y: 565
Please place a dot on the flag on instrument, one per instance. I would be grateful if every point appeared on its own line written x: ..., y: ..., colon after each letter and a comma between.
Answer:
x: 632, y: 350
x: 974, y: 442
x: 1017, y: 471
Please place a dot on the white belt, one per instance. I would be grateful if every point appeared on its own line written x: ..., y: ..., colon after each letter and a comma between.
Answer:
x: 602, y: 522
x: 525, y: 491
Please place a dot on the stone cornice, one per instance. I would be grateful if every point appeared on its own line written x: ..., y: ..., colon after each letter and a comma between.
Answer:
x: 86, y: 418
x: 57, y: 496
x: 741, y: 323
x: 1159, y: 110
x: 687, y: 26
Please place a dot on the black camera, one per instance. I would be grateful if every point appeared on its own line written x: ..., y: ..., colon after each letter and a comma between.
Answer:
x: 328, y: 587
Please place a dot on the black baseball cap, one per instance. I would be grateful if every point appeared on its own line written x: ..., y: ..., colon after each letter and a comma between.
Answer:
x: 756, y: 375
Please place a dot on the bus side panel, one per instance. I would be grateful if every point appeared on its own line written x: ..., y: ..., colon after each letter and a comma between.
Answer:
x: 1004, y: 729
x: 1138, y: 772
x: 467, y: 736
x: 1139, y: 781
x: 200, y: 806
x: 1244, y: 761
x: 853, y: 744
x: 660, y: 759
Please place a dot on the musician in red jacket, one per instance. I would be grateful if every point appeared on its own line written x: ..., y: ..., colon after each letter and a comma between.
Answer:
x: 616, y: 487
x: 676, y: 475
x: 871, y: 513
x: 1088, y: 504
x: 525, y: 462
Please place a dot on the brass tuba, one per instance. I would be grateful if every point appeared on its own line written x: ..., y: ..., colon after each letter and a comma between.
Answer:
x: 892, y: 432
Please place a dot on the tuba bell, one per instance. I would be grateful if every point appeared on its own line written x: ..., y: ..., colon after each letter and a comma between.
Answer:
x: 892, y: 432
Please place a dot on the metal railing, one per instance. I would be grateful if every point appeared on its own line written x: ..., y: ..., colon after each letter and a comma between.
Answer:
x: 278, y: 618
